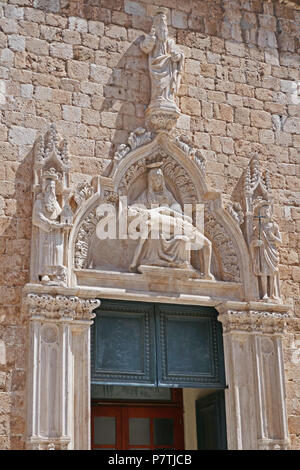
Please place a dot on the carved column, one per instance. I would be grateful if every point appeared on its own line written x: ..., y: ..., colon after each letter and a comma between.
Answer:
x: 255, y: 398
x: 58, y: 401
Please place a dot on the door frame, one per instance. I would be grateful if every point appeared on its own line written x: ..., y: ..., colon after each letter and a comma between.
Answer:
x: 252, y: 335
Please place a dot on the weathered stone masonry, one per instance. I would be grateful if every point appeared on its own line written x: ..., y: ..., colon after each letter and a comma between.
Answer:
x: 79, y: 64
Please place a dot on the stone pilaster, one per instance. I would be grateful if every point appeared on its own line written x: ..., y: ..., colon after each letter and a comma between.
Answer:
x: 255, y: 398
x: 59, y: 362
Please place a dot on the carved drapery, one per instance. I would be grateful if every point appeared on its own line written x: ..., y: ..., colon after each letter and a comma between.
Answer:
x: 223, y: 248
x: 254, y: 196
x: 165, y: 62
x: 52, y: 216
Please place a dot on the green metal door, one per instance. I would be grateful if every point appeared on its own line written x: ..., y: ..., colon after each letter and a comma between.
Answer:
x: 211, y: 422
x: 165, y: 345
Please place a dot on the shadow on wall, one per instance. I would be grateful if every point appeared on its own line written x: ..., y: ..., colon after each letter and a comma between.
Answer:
x: 126, y: 96
x: 16, y: 228
x: 15, y: 241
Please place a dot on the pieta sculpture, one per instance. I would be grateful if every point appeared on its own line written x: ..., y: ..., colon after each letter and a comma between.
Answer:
x: 168, y: 235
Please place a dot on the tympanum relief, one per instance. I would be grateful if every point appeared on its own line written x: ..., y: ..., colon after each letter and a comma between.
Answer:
x: 169, y: 235
x: 159, y: 233
x: 145, y: 192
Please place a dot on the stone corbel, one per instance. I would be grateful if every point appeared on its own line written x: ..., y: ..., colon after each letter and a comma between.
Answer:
x: 59, y: 364
x: 255, y: 398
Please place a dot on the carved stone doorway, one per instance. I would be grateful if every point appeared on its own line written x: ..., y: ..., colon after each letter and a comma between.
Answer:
x: 221, y: 264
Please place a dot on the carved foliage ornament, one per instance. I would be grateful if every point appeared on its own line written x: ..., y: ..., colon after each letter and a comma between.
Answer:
x: 223, y: 246
x: 51, y: 145
x: 87, y: 229
x: 136, y: 139
x: 235, y: 210
x: 61, y: 306
x: 193, y: 153
x: 254, y: 321
x: 176, y: 173
x: 141, y: 137
x: 83, y: 192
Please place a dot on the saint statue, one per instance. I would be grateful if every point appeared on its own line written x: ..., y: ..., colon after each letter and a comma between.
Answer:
x: 49, y: 237
x: 174, y: 235
x: 165, y: 66
x: 264, y: 249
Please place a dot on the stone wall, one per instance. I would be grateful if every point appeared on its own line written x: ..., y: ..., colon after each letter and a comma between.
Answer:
x: 78, y: 63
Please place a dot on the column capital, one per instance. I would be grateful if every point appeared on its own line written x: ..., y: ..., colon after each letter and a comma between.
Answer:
x: 60, y: 307
x: 253, y: 317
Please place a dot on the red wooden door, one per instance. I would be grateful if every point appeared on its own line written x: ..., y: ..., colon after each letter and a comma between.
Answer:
x: 137, y: 426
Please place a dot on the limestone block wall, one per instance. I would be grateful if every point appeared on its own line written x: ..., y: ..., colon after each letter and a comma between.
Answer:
x: 78, y: 63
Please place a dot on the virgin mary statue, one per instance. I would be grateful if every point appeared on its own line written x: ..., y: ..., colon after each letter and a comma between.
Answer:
x: 165, y: 66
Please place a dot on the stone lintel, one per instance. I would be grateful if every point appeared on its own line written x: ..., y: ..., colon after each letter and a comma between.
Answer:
x: 202, y: 292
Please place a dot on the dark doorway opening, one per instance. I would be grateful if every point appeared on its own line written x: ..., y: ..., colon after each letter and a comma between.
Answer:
x: 138, y: 425
x: 143, y: 356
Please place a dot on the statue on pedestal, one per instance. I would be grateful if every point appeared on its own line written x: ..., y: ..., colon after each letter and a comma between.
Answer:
x: 47, y: 215
x: 165, y: 67
x: 264, y: 249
